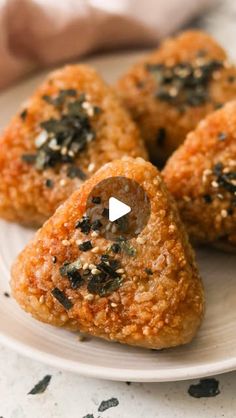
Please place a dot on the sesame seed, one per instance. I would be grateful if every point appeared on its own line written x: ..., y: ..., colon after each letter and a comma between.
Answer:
x: 94, y: 234
x: 114, y: 305
x: 92, y: 266
x: 214, y: 184
x: 62, y: 182
x: 95, y: 250
x: 95, y: 271
x: 89, y: 297
x: 141, y: 240
x: 64, y: 151
x: 85, y: 266
x: 224, y: 213
x: 120, y: 271
x: 91, y: 167
x: 41, y: 299
x: 65, y: 242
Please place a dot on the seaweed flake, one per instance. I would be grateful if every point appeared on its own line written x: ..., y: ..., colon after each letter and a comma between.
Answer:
x: 75, y: 172
x: 184, y: 83
x: 66, y: 136
x: 205, y: 388
x: 110, y: 403
x: 41, y: 386
x: 62, y: 298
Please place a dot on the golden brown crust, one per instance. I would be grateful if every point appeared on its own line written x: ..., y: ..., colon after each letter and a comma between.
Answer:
x: 159, y: 310
x: 138, y: 90
x: 201, y: 175
x: 23, y: 194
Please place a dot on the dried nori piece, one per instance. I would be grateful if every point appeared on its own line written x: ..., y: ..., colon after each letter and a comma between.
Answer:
x: 24, y: 114
x: 207, y: 198
x: 105, y: 213
x: 89, y: 416
x: 49, y: 183
x: 85, y: 246
x: 108, y: 269
x: 148, y: 271
x: 224, y: 179
x: 41, y: 386
x: 128, y: 248
x: 71, y: 271
x: 96, y: 225
x: 205, y: 388
x: 76, y: 280
x: 84, y: 225
x: 29, y: 158
x: 67, y: 135
x: 96, y: 200
x: 115, y: 248
x: 222, y: 136
x: 103, y: 285
x: 62, y: 298
x: 73, y: 172
x: 184, y: 83
x: 110, y: 403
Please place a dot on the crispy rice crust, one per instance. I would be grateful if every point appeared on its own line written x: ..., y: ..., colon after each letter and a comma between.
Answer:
x: 137, y: 89
x: 23, y: 195
x: 160, y: 310
x: 206, y: 207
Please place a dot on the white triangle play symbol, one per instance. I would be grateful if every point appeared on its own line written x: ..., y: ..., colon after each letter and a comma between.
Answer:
x: 117, y: 209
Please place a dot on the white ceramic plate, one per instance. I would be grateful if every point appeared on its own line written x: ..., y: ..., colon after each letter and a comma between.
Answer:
x: 213, y: 350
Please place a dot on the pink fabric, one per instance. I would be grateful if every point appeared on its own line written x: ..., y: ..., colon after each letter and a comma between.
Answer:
x: 39, y: 33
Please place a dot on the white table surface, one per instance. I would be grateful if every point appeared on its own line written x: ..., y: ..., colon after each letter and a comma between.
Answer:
x: 72, y: 396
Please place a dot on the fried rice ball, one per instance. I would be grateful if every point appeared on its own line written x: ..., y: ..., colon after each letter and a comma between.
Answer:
x: 69, y: 128
x: 201, y: 175
x: 176, y: 86
x: 152, y: 297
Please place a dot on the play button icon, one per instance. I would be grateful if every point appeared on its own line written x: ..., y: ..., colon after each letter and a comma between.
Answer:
x: 117, y: 209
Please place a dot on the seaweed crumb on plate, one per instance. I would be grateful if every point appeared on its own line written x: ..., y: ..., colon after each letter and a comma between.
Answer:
x: 41, y: 386
x: 206, y: 388
x: 110, y: 403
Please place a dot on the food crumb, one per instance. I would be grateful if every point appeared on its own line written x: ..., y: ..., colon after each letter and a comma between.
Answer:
x: 206, y: 388
x: 41, y: 386
x: 110, y: 403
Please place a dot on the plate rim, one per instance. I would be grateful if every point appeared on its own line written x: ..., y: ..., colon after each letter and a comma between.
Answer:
x: 122, y: 375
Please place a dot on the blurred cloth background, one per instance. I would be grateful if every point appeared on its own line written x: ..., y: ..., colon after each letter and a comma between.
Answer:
x: 40, y: 33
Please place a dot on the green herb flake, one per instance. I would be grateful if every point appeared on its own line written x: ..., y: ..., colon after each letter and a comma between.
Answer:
x: 128, y: 248
x: 41, y: 386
